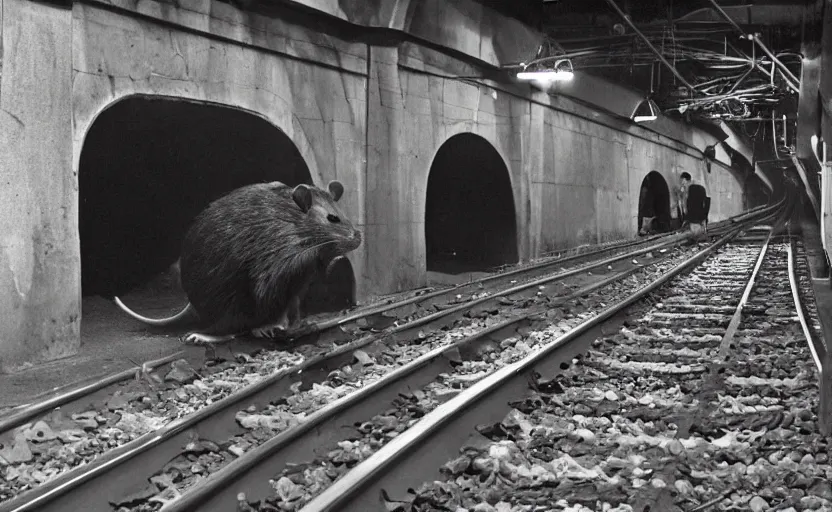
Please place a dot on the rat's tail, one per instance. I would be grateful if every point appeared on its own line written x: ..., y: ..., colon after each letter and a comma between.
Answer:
x: 188, y: 311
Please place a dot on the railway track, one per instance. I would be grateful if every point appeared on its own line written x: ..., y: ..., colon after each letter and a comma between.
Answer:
x: 705, y: 398
x: 175, y: 457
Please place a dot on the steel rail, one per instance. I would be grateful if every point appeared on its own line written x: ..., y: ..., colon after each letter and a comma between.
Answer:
x: 359, y: 489
x: 541, y: 265
x: 21, y: 415
x: 819, y: 350
x: 736, y: 318
x: 301, y: 442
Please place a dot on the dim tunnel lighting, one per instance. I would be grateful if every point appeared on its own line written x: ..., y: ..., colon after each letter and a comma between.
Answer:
x: 646, y: 110
x: 562, y: 71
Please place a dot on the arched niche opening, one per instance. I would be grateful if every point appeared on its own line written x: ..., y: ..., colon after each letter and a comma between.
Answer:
x: 654, y: 202
x: 470, y: 222
x: 148, y: 166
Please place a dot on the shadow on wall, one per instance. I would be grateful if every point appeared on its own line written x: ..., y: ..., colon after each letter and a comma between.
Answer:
x: 470, y: 220
x: 150, y: 165
x: 654, y: 202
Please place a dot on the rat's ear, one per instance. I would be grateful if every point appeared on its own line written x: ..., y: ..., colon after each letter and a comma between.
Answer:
x: 336, y: 190
x: 303, y: 197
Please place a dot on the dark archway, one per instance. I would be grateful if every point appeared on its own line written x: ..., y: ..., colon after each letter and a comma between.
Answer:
x: 654, y: 201
x: 150, y: 165
x: 469, y: 212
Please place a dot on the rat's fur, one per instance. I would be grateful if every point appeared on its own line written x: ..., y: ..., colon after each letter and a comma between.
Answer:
x: 248, y: 259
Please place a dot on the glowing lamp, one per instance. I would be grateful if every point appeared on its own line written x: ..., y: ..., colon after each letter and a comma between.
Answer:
x: 561, y: 72
x: 646, y: 110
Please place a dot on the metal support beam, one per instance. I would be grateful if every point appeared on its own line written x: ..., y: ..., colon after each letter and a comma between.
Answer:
x: 785, y: 70
x: 650, y: 45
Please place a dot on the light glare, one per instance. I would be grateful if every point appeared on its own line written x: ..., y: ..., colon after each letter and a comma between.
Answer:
x: 639, y: 119
x: 544, y: 76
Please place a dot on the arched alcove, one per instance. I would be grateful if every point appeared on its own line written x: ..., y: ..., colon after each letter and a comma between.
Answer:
x: 654, y: 201
x: 148, y: 166
x: 470, y: 219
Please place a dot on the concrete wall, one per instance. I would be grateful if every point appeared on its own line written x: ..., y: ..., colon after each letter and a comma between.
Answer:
x: 371, y: 116
x: 39, y: 254
x: 575, y: 172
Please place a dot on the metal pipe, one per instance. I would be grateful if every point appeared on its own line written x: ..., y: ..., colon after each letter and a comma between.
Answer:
x: 785, y: 70
x: 611, y: 65
x: 709, y: 99
x: 727, y: 17
x: 743, y: 77
x: 766, y: 72
x: 649, y: 45
x: 785, y: 132
x: 750, y: 119
x: 770, y: 74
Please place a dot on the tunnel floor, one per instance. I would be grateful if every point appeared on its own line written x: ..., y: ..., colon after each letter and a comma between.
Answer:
x: 112, y: 342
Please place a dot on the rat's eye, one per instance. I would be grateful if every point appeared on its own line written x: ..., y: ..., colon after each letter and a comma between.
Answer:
x: 333, y: 218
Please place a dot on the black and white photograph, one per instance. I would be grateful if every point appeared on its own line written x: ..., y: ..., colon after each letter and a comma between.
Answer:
x: 415, y: 255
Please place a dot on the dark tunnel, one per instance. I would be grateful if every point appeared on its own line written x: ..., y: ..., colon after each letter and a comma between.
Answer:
x: 469, y: 213
x: 149, y: 166
x: 654, y: 202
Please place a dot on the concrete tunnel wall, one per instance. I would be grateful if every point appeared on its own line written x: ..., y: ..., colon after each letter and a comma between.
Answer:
x: 377, y: 133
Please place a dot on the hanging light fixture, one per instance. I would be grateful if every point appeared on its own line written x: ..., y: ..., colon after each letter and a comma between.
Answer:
x: 562, y: 71
x: 540, y: 68
x: 646, y: 110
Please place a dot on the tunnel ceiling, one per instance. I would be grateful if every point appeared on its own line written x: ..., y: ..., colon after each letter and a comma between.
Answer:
x: 728, y: 76
x: 712, y: 71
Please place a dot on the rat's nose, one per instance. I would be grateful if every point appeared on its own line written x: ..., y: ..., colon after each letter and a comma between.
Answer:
x: 357, y: 235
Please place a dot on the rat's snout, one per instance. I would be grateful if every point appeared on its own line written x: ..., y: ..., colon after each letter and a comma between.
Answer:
x: 356, y: 235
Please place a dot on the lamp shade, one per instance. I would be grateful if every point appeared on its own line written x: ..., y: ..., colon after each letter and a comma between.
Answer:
x: 646, y: 110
